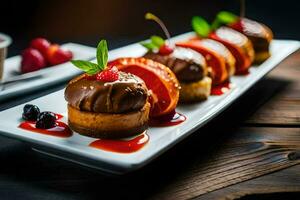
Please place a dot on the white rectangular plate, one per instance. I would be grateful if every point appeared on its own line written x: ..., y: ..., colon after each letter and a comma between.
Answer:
x: 49, y: 76
x: 76, y: 148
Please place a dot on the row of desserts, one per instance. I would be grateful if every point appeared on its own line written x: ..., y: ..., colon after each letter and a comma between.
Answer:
x: 116, y: 99
x: 121, y: 98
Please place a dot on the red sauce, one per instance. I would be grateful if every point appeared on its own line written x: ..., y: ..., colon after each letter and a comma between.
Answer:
x: 172, y: 119
x: 60, y: 130
x: 244, y: 73
x: 121, y: 146
x: 58, y: 116
x: 221, y: 88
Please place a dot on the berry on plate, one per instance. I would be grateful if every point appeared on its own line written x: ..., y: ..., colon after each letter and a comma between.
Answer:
x: 46, y: 120
x: 30, y: 112
x: 40, y: 44
x: 56, y: 55
x: 32, y: 60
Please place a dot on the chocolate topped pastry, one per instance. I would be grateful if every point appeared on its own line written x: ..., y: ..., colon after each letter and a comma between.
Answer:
x: 259, y: 34
x: 128, y: 93
x: 190, y: 69
x: 104, y: 102
x: 187, y: 64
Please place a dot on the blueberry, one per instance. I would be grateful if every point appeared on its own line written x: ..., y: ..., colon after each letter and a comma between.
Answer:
x: 30, y: 112
x: 46, y: 120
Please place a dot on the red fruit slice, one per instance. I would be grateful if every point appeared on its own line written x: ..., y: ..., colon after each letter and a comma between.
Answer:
x: 160, y: 80
x: 40, y: 44
x: 238, y: 44
x: 32, y: 60
x: 214, y: 61
x: 56, y: 55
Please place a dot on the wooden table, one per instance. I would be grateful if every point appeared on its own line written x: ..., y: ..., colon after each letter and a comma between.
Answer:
x: 252, y: 148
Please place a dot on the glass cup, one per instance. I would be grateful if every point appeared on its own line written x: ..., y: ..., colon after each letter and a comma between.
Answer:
x: 5, y: 41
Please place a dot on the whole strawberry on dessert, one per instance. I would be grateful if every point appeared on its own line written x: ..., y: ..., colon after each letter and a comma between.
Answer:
x: 105, y: 102
x: 41, y: 53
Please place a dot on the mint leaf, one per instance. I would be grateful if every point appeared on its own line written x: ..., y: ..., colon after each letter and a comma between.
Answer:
x: 157, y: 41
x: 102, y: 54
x: 86, y: 66
x: 226, y: 17
x: 200, y: 26
x: 149, y: 45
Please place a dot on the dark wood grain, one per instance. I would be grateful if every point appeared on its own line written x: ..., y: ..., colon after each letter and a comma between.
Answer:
x: 284, y: 106
x: 251, y: 153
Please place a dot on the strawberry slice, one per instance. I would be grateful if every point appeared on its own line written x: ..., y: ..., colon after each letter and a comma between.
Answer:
x: 32, y: 60
x: 56, y: 55
x: 160, y: 80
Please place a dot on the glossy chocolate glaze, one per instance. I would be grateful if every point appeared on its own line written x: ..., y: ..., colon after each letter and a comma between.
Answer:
x: 187, y: 64
x: 259, y: 34
x: 127, y: 94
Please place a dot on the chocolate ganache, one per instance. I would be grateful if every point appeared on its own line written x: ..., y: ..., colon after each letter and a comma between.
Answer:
x: 127, y: 94
x: 187, y: 64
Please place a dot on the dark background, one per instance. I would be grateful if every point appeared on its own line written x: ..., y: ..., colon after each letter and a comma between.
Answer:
x: 122, y: 22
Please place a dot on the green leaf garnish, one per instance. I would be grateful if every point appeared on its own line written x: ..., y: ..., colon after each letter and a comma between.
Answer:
x: 149, y: 45
x: 201, y: 26
x: 102, y: 58
x: 227, y: 17
x: 102, y: 54
x: 155, y: 43
x: 224, y: 18
x: 156, y: 40
x: 86, y: 66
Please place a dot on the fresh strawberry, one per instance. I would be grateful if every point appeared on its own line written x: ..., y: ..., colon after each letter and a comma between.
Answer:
x: 165, y: 50
x: 56, y: 55
x: 32, y: 60
x: 40, y: 44
x: 108, y: 75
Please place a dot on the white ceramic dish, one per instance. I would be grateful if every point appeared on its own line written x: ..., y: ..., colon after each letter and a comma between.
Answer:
x: 76, y: 148
x: 49, y: 76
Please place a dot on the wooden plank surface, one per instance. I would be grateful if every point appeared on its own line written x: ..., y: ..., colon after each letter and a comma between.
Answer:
x: 250, y: 153
x: 284, y: 104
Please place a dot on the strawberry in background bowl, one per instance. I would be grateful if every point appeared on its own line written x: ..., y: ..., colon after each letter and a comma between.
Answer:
x: 41, y: 54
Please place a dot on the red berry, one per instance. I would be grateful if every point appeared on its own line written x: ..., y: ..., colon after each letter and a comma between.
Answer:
x: 238, y: 26
x: 165, y: 50
x: 40, y: 44
x: 32, y: 60
x: 56, y: 55
x: 108, y: 75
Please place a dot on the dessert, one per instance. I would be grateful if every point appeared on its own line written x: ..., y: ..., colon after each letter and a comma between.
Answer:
x: 159, y: 79
x: 220, y: 61
x: 259, y: 34
x: 237, y: 43
x: 104, y: 102
x: 188, y: 65
x: 41, y: 53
